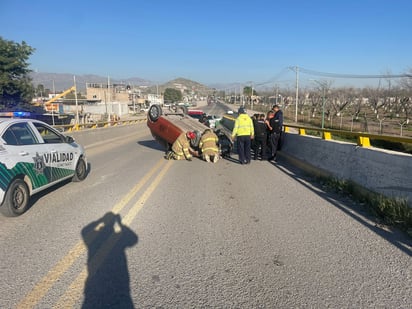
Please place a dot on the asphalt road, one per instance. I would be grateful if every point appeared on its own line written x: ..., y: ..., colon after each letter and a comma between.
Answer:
x: 143, y: 232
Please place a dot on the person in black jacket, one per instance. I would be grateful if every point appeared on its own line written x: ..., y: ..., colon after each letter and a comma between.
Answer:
x: 203, y: 119
x: 275, y: 125
x: 261, y: 131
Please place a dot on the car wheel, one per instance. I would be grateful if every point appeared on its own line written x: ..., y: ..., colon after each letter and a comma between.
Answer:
x: 16, y: 200
x: 80, y: 172
x: 154, y: 112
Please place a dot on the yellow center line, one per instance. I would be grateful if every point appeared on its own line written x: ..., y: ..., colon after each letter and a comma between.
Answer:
x: 74, y: 291
x: 44, y: 285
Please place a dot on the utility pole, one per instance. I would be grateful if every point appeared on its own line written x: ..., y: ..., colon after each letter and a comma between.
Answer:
x: 75, y: 98
x: 251, y: 99
x: 52, y: 107
x: 297, y: 93
x: 323, y: 108
x: 242, y: 98
x: 109, y: 97
x: 234, y: 101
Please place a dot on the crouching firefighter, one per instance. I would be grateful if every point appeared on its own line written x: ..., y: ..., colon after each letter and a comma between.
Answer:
x: 209, y: 146
x: 181, y: 149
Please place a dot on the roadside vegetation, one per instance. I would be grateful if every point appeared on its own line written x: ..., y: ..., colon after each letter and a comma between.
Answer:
x: 172, y: 95
x: 16, y: 89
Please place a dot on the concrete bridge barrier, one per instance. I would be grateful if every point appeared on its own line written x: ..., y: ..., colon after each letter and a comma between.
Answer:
x: 381, y: 171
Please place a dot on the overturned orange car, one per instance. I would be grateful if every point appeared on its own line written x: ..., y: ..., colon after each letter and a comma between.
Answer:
x: 167, y: 124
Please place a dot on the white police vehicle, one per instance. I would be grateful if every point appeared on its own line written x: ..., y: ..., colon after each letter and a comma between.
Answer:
x: 33, y: 157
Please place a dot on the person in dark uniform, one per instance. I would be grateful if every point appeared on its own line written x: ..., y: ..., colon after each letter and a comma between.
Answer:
x: 275, y: 124
x: 203, y: 119
x: 261, y: 135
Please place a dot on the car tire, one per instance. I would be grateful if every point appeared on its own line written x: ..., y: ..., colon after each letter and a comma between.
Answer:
x: 80, y: 172
x: 154, y: 112
x: 16, y: 200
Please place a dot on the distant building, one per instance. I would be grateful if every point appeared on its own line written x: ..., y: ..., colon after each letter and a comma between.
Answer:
x: 108, y: 93
x: 125, y: 97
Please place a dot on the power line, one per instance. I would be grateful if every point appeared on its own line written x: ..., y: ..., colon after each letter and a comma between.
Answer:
x: 273, y: 79
x: 337, y: 75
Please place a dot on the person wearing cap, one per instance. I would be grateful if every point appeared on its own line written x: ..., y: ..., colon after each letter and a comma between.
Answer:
x: 181, y: 149
x: 209, y: 146
x: 244, y: 132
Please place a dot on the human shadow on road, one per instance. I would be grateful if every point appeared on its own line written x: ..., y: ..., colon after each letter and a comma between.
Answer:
x: 352, y: 209
x: 108, y: 282
x: 153, y: 145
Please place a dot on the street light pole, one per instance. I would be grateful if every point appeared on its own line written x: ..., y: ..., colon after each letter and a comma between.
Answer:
x: 323, y: 108
x: 75, y: 98
x: 323, y: 84
x: 251, y: 99
x: 297, y: 94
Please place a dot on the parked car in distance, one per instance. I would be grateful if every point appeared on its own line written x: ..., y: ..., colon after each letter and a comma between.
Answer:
x: 196, y: 113
x: 33, y: 157
x: 200, y: 115
x: 213, y: 120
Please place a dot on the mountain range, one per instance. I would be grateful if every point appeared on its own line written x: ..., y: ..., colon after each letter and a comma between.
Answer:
x: 62, y: 81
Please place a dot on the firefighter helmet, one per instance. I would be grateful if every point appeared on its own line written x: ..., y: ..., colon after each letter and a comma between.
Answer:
x: 191, y: 135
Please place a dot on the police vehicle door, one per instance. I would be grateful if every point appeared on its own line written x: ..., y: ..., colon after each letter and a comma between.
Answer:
x: 61, y: 156
x: 25, y: 154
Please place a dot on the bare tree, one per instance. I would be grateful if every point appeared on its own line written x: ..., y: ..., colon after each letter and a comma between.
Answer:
x: 323, y: 89
x: 405, y: 106
x: 355, y: 108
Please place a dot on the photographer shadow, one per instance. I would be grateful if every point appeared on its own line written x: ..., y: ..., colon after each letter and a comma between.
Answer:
x: 108, y: 281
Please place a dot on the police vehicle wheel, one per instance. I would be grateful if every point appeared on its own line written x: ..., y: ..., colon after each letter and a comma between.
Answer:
x: 16, y: 201
x: 154, y: 112
x: 80, y: 172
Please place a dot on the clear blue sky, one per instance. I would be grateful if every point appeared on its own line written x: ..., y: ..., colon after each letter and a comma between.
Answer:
x: 212, y: 41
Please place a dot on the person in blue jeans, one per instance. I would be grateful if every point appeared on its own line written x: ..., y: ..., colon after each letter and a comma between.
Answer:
x: 244, y: 132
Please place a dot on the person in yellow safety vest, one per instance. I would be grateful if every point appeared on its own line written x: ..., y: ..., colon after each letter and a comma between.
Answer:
x: 244, y: 131
x: 181, y: 149
x: 209, y: 146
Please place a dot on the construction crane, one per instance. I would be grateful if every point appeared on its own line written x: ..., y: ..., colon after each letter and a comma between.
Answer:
x: 49, y: 102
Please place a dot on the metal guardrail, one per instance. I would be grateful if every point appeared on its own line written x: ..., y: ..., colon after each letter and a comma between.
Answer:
x: 363, y: 139
x: 98, y: 124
